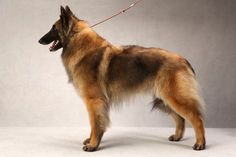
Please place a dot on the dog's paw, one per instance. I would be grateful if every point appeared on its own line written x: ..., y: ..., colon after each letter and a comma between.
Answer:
x: 86, y: 141
x: 174, y: 138
x: 89, y: 148
x: 199, y: 146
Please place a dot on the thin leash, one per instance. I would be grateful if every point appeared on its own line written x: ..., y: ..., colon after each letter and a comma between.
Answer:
x: 116, y: 14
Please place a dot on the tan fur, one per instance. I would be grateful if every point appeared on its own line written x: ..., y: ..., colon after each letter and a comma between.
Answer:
x: 105, y: 74
x: 95, y: 93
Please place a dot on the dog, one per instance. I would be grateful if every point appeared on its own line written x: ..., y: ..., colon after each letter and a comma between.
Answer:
x: 105, y: 75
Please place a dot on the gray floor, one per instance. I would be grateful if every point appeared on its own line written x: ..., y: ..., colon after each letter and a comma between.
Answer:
x: 143, y: 142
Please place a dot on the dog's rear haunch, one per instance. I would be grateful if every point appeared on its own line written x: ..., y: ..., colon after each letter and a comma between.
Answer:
x: 105, y: 74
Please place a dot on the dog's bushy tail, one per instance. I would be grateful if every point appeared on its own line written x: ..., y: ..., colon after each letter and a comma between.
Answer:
x: 187, y: 92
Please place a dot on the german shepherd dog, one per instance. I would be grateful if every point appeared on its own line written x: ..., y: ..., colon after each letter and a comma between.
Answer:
x: 105, y: 74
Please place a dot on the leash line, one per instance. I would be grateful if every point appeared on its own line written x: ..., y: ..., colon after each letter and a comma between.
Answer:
x: 116, y: 14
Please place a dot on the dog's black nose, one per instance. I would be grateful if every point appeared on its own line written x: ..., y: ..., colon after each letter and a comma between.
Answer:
x: 45, y: 41
x: 41, y: 41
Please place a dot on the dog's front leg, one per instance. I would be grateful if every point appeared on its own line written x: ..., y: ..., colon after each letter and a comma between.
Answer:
x: 98, y: 116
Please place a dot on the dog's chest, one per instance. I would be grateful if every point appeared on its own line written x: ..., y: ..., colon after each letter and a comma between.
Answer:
x: 69, y: 65
x: 68, y: 72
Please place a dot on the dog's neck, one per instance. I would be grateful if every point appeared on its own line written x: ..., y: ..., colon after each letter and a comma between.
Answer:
x: 82, y: 42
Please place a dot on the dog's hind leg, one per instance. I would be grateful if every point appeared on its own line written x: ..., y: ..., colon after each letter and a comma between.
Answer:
x: 182, y: 96
x: 180, y: 126
x: 99, y: 120
x: 179, y: 121
x: 195, y: 118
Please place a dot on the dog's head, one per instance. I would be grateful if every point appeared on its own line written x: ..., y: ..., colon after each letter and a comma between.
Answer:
x: 60, y: 31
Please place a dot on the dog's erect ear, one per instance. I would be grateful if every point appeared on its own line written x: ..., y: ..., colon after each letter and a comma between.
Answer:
x: 69, y: 11
x: 65, y: 18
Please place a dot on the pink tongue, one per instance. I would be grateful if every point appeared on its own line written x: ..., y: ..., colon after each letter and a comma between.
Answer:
x: 53, y: 45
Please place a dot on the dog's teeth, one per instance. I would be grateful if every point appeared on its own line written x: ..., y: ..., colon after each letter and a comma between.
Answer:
x: 54, y: 43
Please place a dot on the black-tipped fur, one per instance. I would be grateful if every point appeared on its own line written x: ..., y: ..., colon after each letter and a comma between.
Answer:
x: 105, y: 74
x: 159, y: 104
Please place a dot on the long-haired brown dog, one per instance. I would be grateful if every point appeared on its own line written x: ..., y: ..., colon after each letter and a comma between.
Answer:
x: 105, y: 74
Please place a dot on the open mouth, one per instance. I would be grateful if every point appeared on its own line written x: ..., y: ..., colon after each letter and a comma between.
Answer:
x: 55, y: 45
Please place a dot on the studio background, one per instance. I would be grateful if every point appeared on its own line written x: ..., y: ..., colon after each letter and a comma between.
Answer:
x: 34, y: 89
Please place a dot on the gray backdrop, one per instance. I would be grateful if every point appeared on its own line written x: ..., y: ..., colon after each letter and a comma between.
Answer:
x: 33, y: 83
